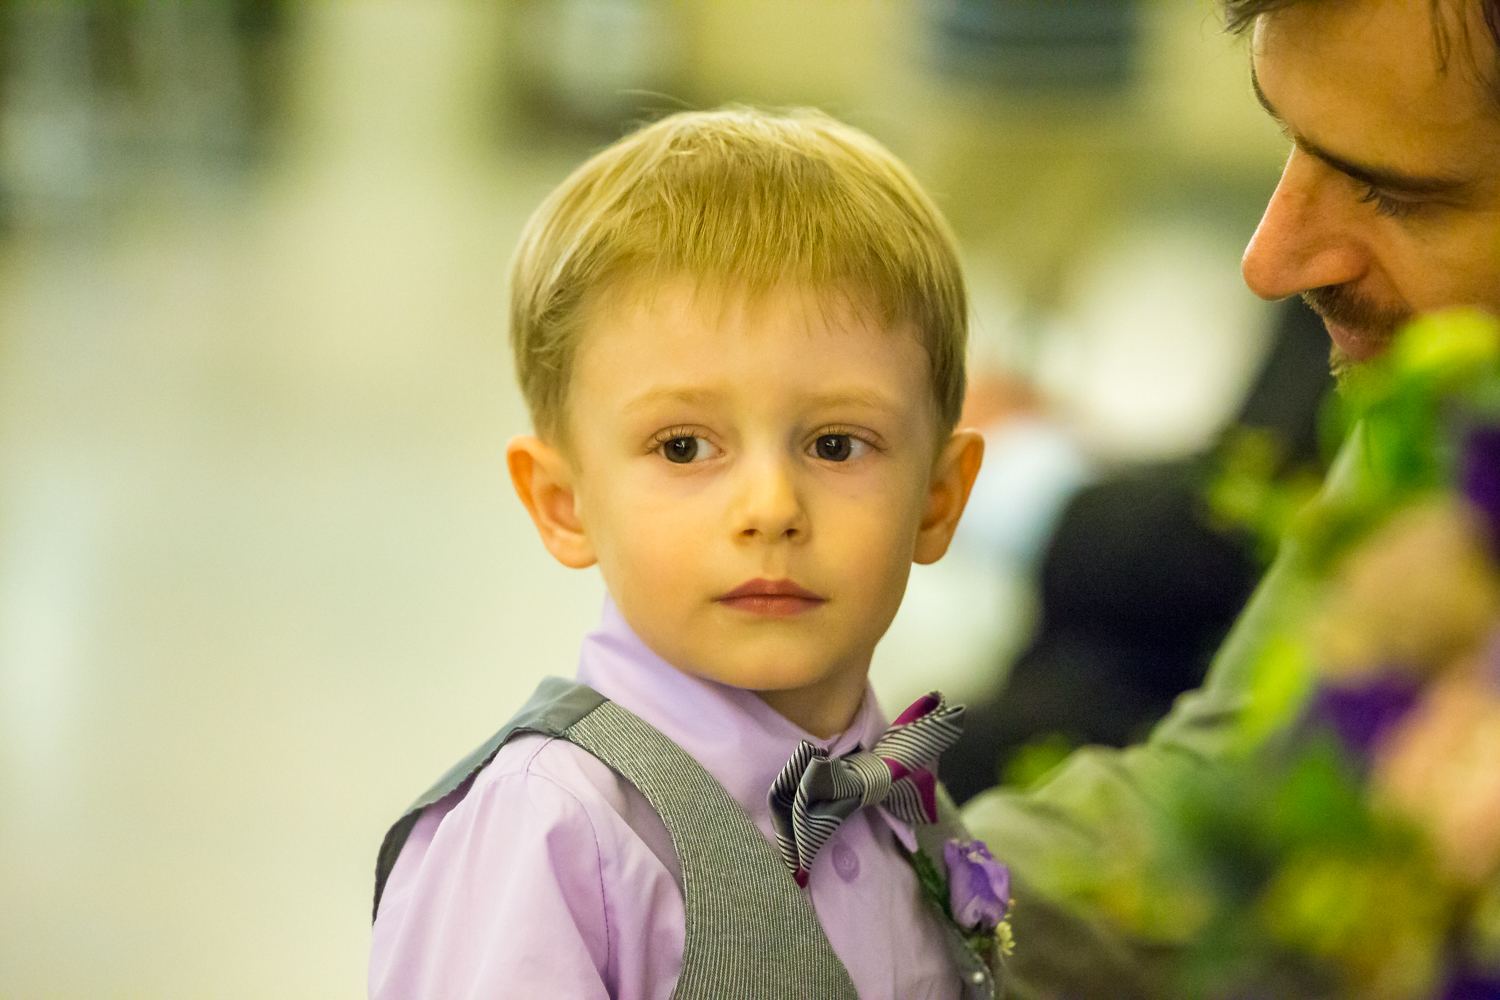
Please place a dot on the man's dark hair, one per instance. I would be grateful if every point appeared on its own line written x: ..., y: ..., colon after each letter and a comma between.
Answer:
x: 1240, y: 14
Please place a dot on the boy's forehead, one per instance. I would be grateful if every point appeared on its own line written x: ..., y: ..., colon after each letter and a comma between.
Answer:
x: 699, y: 341
x: 703, y: 308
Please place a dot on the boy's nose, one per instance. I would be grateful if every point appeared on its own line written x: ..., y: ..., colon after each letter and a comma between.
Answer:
x: 770, y: 508
x: 1309, y: 236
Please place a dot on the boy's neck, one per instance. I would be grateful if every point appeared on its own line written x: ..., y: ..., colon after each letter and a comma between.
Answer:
x: 824, y: 709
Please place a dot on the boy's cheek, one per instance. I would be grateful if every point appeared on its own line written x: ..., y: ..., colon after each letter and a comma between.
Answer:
x: 658, y: 554
x: 880, y: 530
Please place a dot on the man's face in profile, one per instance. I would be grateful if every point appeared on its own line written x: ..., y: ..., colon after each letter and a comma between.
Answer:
x: 1390, y: 202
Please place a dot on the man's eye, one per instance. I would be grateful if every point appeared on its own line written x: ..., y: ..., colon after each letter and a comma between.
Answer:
x: 838, y: 447
x: 683, y: 449
x: 1391, y: 208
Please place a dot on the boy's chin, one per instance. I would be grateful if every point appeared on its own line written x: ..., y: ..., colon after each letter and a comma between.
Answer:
x: 770, y: 675
x: 768, y: 680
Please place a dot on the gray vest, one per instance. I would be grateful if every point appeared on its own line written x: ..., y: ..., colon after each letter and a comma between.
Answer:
x: 750, y: 930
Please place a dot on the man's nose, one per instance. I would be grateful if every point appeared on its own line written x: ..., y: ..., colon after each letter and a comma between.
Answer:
x: 1308, y: 237
x: 771, y: 507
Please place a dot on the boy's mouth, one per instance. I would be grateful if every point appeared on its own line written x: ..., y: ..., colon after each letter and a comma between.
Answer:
x: 772, y: 598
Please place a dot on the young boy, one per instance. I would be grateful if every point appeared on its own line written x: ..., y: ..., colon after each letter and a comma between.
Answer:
x: 741, y: 338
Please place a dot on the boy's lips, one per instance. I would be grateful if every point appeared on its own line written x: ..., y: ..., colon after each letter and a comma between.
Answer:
x: 772, y: 598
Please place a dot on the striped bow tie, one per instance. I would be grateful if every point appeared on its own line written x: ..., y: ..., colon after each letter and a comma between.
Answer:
x: 815, y: 793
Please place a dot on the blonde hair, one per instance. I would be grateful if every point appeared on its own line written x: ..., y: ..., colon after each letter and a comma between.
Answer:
x: 750, y: 200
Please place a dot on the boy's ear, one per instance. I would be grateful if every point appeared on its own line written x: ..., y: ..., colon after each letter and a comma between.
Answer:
x: 952, y: 479
x: 544, y: 481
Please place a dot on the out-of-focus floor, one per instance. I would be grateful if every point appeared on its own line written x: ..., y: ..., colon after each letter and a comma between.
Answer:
x: 259, y: 559
x: 262, y: 575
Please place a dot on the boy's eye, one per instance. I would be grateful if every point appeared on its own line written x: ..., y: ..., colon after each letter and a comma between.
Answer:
x: 838, y: 447
x: 683, y: 449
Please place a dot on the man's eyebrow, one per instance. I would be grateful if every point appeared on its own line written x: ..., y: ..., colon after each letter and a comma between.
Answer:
x: 1376, y: 177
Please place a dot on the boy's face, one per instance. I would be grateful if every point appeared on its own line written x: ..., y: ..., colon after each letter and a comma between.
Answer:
x: 754, y: 478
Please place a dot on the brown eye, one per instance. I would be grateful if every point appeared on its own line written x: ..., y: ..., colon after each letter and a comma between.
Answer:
x: 834, y: 447
x: 687, y: 449
x: 680, y: 449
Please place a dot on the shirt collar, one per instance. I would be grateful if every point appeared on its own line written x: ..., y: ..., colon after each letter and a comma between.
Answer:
x: 736, y: 737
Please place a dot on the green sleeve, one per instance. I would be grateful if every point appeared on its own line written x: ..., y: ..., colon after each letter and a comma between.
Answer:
x: 1097, y: 811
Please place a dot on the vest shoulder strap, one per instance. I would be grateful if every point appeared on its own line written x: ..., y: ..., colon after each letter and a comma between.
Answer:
x: 751, y: 932
x: 552, y: 708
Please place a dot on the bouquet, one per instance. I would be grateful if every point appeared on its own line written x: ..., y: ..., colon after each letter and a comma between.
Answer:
x: 1351, y: 846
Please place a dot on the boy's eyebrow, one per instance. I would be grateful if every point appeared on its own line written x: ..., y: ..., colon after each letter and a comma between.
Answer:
x: 670, y: 395
x: 855, y: 397
x: 867, y: 398
x: 1377, y: 177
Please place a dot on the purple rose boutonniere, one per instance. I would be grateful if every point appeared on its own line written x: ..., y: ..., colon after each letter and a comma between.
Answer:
x: 978, y: 886
x: 975, y: 895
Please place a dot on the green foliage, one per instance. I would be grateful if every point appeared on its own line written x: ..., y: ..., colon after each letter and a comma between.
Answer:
x: 1310, y: 886
x: 1307, y: 887
x: 1036, y: 759
x: 1407, y: 407
x: 934, y: 885
x: 1282, y: 679
x: 1249, y: 492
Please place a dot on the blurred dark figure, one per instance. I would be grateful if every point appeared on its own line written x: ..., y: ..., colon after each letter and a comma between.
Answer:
x: 99, y: 101
x: 1079, y: 47
x: 1138, y: 588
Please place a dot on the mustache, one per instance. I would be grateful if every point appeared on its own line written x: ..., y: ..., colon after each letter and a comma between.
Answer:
x: 1342, y: 306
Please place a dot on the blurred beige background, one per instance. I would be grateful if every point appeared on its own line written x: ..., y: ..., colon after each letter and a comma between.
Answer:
x: 262, y: 576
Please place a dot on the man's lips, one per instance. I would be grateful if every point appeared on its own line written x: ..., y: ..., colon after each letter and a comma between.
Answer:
x: 773, y: 598
x: 1360, y: 328
x: 1357, y: 345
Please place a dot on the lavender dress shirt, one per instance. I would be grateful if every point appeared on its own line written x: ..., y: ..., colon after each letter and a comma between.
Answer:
x: 551, y: 876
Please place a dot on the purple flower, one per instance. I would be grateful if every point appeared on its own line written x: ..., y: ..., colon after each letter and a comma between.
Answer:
x: 1472, y: 986
x: 1480, y: 473
x: 1361, y: 713
x: 978, y: 885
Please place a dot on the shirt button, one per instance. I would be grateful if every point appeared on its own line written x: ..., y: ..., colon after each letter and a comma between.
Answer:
x: 845, y: 862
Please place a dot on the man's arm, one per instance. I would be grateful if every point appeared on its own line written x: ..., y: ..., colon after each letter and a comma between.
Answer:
x: 1100, y: 810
